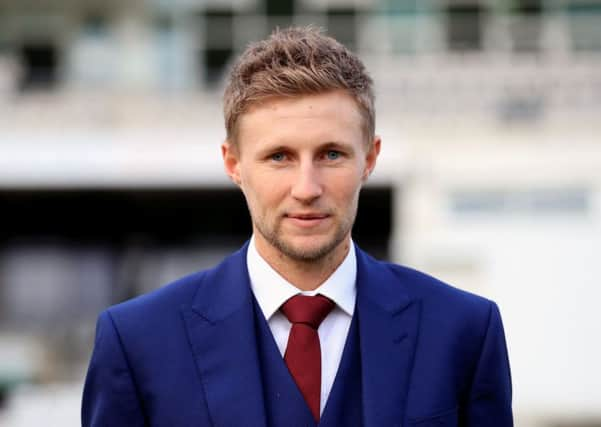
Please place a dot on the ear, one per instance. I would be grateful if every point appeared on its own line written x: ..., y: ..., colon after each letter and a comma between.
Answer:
x: 231, y: 161
x: 371, y: 157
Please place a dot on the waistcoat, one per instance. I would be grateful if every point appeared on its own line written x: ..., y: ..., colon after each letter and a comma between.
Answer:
x: 285, y: 405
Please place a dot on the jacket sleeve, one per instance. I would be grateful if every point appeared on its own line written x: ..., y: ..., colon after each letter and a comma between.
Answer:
x: 110, y: 397
x: 490, y: 395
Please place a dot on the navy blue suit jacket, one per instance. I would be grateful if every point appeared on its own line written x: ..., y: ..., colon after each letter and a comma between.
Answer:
x: 185, y: 354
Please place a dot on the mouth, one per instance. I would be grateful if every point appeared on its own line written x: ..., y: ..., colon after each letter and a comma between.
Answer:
x: 308, y: 220
x: 307, y: 216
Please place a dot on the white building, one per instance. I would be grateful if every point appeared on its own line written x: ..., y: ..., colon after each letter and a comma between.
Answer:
x: 489, y: 178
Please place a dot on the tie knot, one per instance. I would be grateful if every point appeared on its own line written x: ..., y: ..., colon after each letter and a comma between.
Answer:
x: 307, y: 309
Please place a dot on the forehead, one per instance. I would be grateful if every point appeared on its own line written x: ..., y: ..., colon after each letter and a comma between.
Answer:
x: 332, y: 115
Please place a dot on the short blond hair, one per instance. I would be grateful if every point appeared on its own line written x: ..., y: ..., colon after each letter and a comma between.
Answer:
x: 296, y: 61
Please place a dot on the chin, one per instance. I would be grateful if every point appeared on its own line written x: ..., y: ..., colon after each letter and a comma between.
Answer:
x: 311, y: 248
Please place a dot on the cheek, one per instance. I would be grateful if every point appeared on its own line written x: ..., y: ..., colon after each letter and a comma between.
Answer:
x: 345, y: 186
x: 263, y: 193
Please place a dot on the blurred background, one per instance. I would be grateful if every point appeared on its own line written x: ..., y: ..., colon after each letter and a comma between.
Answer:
x: 111, y: 182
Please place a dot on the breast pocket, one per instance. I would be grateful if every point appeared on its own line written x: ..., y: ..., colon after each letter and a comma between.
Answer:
x: 446, y: 418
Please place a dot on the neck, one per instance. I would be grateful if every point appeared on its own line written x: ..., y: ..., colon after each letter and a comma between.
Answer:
x: 305, y: 275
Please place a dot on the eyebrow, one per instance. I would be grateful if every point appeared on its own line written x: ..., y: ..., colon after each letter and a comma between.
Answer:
x: 275, y: 148
x: 338, y: 144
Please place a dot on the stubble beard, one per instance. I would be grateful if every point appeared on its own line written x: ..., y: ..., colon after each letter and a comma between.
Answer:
x: 274, y: 237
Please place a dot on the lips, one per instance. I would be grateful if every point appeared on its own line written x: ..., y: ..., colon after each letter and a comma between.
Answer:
x: 308, y: 216
x: 307, y: 220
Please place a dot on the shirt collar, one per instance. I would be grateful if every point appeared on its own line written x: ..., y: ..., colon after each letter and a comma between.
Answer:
x: 271, y: 290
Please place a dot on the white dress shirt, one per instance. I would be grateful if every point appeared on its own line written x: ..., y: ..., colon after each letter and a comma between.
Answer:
x: 271, y: 290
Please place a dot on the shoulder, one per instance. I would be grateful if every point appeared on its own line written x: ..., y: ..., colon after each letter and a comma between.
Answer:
x: 153, y: 314
x: 179, y: 293
x: 436, y: 297
x: 161, y: 310
x: 168, y: 296
x: 449, y: 317
x: 426, y: 287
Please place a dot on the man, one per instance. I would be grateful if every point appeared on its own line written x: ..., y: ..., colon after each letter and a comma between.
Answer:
x: 300, y: 327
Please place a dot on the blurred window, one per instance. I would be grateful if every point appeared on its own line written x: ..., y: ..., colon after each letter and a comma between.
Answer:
x: 536, y: 202
x: 399, y: 6
x: 47, y: 282
x: 402, y: 19
x: 279, y: 7
x: 40, y: 65
x: 219, y: 43
x: 279, y: 21
x: 341, y: 24
x: 529, y: 7
x: 169, y: 51
x: 524, y: 107
x: 585, y: 25
x: 526, y: 25
x: 95, y: 25
x: 464, y: 26
x: 92, y: 54
x: 8, y: 69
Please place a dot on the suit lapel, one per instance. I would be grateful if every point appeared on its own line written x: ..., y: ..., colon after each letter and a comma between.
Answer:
x: 388, y: 325
x: 220, y: 325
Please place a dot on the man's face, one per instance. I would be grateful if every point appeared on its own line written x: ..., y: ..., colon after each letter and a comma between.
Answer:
x: 300, y: 163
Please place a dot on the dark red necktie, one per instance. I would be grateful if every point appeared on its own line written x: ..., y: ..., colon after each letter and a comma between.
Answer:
x: 303, y: 352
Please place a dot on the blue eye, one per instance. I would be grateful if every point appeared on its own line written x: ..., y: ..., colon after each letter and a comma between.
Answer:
x: 278, y: 157
x: 333, y: 155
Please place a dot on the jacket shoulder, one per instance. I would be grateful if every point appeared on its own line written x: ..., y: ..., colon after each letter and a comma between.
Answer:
x: 426, y: 286
x: 437, y: 297
x: 171, y: 294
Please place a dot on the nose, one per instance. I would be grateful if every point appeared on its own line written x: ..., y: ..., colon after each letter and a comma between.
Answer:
x: 307, y: 184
